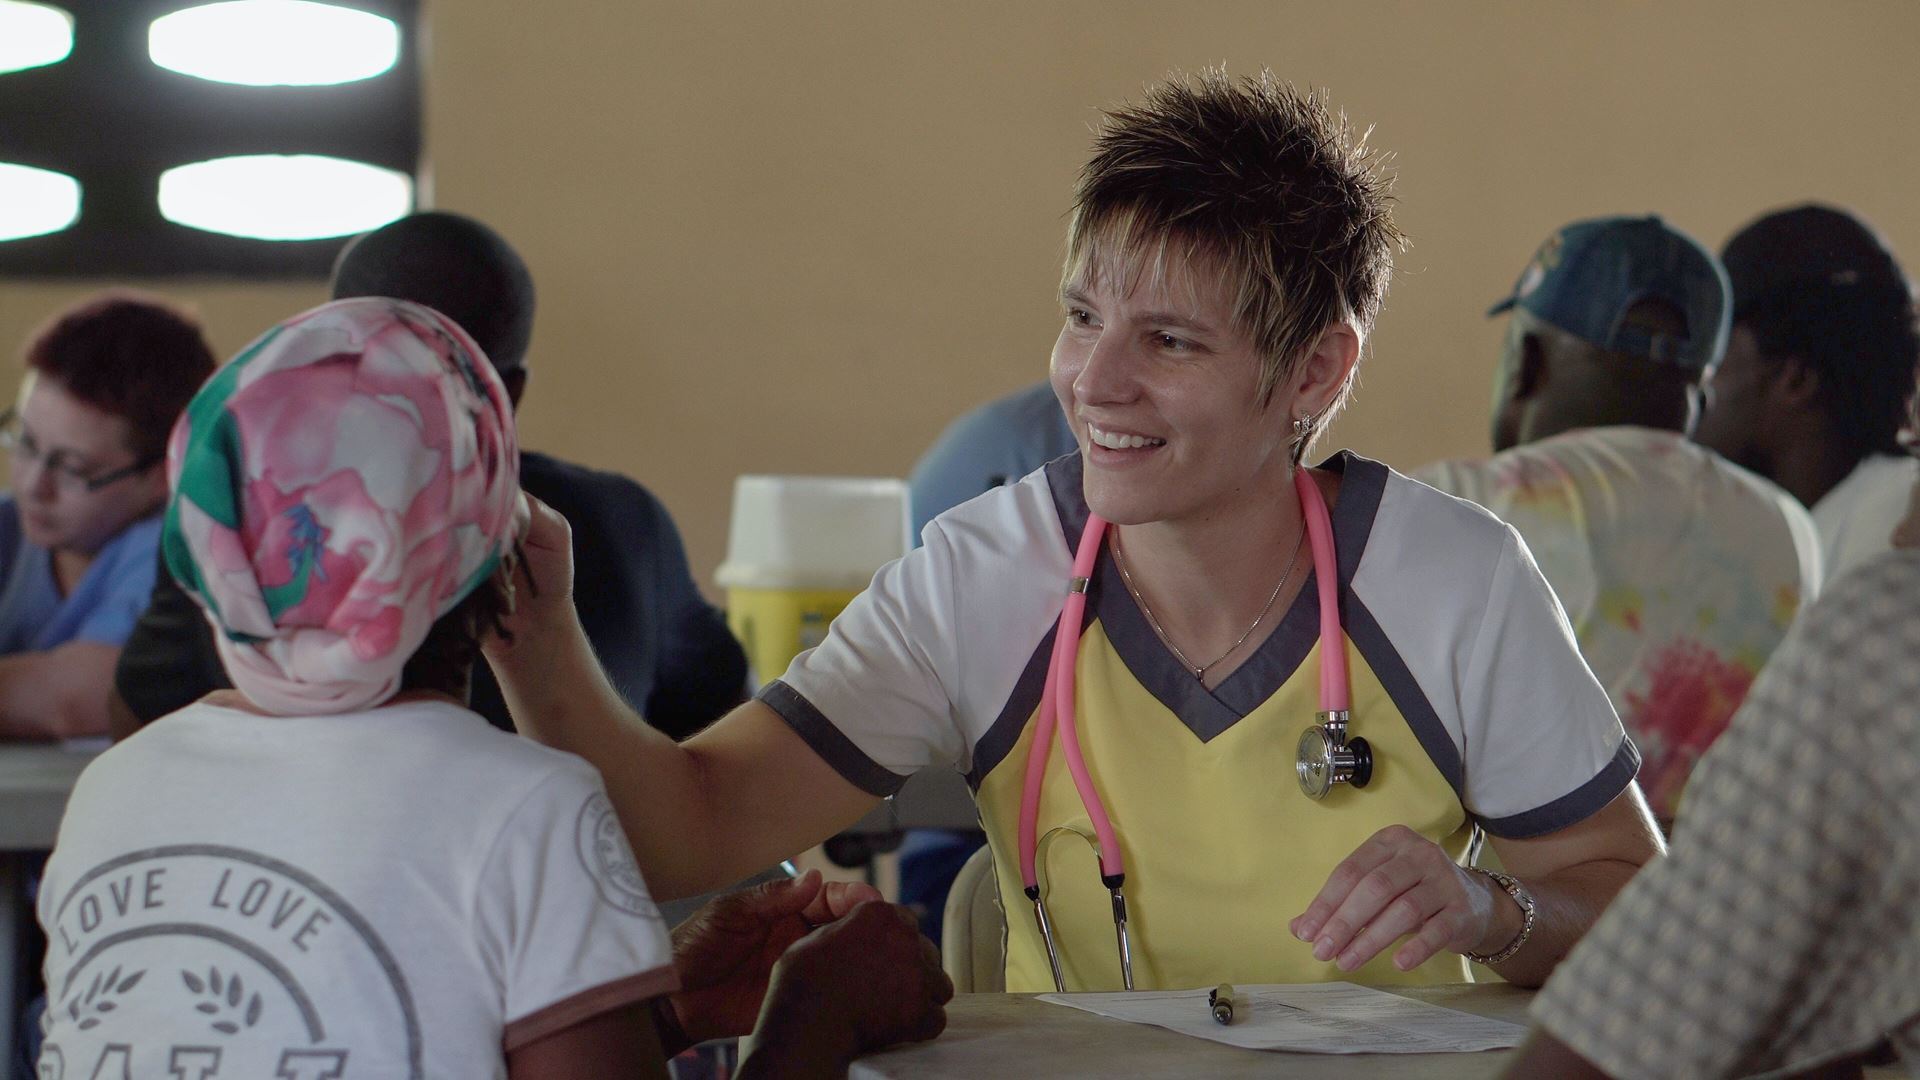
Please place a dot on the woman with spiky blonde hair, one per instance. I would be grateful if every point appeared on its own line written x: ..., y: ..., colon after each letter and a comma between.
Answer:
x: 1229, y: 251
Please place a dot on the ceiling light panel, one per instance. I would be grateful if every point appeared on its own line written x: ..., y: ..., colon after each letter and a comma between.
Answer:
x: 284, y: 197
x: 275, y: 43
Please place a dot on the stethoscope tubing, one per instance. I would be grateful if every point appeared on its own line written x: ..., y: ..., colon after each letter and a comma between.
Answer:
x: 1057, y: 713
x: 1335, y: 692
x: 1057, y: 710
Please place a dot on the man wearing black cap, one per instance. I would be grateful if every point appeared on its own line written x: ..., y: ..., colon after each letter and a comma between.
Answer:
x: 1819, y: 373
x: 1679, y: 570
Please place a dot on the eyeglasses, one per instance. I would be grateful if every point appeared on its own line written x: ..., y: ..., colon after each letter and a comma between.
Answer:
x: 15, y: 438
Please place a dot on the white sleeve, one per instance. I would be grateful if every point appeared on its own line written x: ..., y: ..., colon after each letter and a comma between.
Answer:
x: 564, y: 920
x: 1543, y: 747
x: 875, y: 699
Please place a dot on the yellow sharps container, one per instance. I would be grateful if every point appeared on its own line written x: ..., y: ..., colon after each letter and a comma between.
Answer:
x: 799, y: 549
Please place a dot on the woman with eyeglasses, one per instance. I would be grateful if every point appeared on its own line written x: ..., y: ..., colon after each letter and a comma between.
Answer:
x: 79, y: 533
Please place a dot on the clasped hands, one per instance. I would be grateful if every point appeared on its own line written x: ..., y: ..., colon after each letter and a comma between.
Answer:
x: 828, y: 969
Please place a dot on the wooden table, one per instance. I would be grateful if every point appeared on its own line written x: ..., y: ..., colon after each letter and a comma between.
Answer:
x: 1017, y: 1035
x: 35, y: 780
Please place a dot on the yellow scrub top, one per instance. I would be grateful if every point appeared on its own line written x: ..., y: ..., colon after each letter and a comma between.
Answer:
x: 1465, y: 679
x: 1222, y: 849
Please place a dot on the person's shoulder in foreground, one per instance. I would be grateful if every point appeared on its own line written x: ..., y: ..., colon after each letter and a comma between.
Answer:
x: 518, y: 913
x: 1780, y: 933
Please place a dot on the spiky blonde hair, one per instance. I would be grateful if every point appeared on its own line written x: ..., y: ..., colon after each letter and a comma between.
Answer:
x: 1264, y: 185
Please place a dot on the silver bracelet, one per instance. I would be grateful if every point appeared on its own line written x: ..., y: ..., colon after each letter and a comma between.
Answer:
x: 1520, y: 896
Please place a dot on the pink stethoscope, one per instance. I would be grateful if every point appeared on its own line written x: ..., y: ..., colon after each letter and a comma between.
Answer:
x: 1325, y: 755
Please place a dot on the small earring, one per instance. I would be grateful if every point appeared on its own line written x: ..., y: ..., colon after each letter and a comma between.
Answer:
x: 1302, y: 426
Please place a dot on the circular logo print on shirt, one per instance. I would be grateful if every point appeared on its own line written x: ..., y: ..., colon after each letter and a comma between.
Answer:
x: 211, y: 961
x: 609, y: 861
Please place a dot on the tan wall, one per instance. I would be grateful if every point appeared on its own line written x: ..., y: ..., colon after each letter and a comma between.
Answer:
x: 799, y: 237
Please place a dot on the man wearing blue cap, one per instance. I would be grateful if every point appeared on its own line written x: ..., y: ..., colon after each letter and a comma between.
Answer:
x: 1679, y: 570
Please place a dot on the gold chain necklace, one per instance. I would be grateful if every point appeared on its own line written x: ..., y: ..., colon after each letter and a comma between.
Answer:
x: 1200, y: 670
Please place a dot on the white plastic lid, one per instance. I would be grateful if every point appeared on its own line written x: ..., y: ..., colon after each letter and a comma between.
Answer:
x: 814, y: 532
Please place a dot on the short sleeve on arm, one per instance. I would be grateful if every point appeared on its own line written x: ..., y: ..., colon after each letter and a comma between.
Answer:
x: 564, y: 920
x: 1780, y: 929
x: 1544, y: 748
x: 874, y: 700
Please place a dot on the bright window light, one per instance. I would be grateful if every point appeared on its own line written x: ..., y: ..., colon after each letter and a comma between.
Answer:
x: 34, y: 202
x: 274, y: 43
x: 284, y: 197
x: 33, y: 35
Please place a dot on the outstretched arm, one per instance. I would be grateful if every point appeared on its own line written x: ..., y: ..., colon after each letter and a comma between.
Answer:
x: 741, y: 795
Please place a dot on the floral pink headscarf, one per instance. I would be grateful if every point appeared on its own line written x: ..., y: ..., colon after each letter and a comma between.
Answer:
x: 339, y: 486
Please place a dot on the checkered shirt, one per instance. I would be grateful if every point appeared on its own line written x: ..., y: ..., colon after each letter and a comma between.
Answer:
x: 1784, y: 927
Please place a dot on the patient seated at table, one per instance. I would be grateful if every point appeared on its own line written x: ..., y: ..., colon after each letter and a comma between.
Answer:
x: 80, y: 528
x: 337, y: 869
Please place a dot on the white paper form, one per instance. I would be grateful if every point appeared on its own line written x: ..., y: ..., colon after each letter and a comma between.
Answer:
x: 1314, y: 1018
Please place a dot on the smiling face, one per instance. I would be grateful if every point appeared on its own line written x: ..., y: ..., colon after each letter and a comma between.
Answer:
x: 56, y: 510
x: 1162, y: 391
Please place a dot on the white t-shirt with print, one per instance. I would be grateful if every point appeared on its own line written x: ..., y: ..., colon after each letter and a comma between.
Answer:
x: 403, y: 892
x: 1856, y: 519
x: 1680, y: 571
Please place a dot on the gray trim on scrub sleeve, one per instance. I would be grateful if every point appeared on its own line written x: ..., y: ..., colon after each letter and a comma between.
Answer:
x: 829, y: 742
x: 1577, y: 805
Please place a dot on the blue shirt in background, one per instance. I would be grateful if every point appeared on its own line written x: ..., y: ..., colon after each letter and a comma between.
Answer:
x: 103, y: 607
x: 995, y: 444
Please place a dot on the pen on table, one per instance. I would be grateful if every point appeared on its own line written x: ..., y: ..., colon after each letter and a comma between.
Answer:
x: 1220, y: 1000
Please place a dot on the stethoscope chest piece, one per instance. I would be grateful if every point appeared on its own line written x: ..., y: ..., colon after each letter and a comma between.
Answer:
x: 1327, y: 757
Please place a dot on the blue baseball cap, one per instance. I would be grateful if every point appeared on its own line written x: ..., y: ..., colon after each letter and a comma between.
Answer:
x: 1588, y: 275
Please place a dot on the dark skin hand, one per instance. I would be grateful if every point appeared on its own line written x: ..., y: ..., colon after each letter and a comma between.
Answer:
x: 849, y: 974
x: 725, y: 952
x: 865, y: 982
